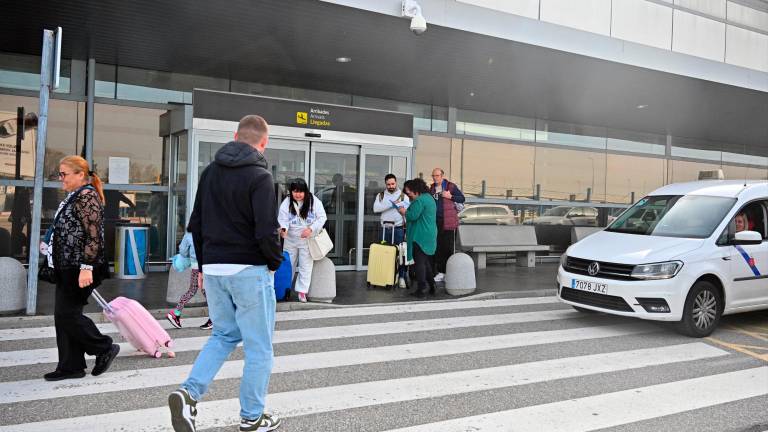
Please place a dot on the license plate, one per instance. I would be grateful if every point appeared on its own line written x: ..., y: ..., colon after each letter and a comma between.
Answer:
x: 588, y: 286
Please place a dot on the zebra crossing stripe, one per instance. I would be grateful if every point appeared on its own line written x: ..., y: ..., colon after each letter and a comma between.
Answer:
x: 21, y: 391
x: 412, y: 308
x: 614, y: 409
x: 223, y: 413
x: 50, y: 355
x: 108, y: 328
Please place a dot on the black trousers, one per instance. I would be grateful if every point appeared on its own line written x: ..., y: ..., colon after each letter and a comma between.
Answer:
x: 445, y: 244
x: 423, y: 267
x: 76, y: 334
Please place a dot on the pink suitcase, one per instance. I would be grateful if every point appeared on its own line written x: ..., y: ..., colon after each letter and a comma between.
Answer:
x: 136, y: 325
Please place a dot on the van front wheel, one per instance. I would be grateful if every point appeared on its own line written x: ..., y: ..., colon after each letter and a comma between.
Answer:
x: 703, y: 308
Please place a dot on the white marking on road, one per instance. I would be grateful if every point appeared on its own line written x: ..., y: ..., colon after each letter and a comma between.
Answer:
x: 50, y: 355
x: 20, y: 391
x: 614, y: 409
x: 108, y: 328
x: 222, y: 413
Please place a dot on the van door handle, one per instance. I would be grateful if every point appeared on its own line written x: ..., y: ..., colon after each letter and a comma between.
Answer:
x: 726, y: 258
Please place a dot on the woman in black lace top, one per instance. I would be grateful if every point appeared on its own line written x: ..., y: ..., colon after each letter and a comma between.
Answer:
x: 76, y: 253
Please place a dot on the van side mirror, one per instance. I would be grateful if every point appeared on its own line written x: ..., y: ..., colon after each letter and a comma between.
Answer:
x: 747, y: 238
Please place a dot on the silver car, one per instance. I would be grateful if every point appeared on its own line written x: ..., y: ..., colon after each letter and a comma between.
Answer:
x: 488, y: 214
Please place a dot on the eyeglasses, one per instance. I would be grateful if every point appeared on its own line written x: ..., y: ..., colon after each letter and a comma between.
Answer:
x: 62, y: 174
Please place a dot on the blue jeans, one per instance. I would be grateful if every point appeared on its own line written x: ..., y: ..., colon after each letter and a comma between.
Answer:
x: 242, y: 308
x: 399, y: 238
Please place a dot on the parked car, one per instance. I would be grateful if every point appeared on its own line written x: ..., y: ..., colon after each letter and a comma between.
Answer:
x: 676, y: 255
x: 567, y: 215
x: 489, y: 214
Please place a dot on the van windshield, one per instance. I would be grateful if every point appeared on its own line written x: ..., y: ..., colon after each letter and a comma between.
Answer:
x: 687, y: 216
x: 557, y: 211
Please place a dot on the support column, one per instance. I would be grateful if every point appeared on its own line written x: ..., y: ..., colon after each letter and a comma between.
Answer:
x: 91, y: 89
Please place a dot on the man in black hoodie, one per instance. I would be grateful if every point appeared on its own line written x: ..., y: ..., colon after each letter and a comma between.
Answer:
x: 234, y: 229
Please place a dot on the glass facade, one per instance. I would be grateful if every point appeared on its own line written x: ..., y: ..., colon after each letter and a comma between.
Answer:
x: 545, y: 172
x: 22, y: 72
x: 376, y: 167
x: 133, y: 134
x: 66, y: 127
x: 556, y: 175
x: 126, y: 206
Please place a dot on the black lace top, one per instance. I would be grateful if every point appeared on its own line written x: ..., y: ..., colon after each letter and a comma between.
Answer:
x: 79, y: 232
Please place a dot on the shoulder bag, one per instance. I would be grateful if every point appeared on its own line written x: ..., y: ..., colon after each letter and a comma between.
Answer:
x: 319, y: 244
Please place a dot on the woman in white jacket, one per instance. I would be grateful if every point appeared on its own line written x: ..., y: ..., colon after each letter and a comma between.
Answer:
x: 301, y: 216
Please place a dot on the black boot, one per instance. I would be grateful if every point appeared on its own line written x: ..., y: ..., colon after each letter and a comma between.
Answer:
x: 59, y: 375
x: 104, y: 360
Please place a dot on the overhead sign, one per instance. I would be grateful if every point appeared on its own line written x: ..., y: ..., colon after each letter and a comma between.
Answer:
x: 217, y: 105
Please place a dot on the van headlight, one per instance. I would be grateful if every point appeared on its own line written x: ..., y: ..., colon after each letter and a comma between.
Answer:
x: 563, y: 260
x: 664, y: 270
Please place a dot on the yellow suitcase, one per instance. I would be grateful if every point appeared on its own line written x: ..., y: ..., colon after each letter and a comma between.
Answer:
x: 382, y: 264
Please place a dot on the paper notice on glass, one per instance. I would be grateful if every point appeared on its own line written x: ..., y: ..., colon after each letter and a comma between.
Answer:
x: 119, y: 169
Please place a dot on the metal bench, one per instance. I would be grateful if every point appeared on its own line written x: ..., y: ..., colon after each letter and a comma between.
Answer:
x: 480, y: 240
x: 578, y: 233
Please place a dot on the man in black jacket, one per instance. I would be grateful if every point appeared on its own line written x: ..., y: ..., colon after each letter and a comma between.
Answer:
x: 234, y: 228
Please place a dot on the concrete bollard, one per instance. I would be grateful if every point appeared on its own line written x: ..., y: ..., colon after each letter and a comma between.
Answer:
x: 13, y: 286
x: 460, y: 275
x: 322, y: 287
x: 178, y: 284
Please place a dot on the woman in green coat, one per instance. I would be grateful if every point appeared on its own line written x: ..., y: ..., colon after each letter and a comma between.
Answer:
x: 422, y: 232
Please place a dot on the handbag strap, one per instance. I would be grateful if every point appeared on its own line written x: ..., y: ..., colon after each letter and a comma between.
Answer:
x: 304, y: 221
x: 298, y: 213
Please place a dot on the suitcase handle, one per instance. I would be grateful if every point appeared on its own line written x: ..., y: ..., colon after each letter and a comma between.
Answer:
x: 100, y: 300
x: 390, y: 225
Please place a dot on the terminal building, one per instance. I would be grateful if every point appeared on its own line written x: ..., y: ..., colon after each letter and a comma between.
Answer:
x: 548, y: 112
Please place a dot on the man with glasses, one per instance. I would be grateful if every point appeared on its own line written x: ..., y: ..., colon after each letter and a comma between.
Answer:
x: 450, y: 201
x: 387, y: 203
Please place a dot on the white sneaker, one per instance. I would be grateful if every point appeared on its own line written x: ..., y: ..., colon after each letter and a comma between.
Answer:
x: 302, y: 297
x: 267, y: 422
x: 440, y: 277
x: 183, y: 411
x: 402, y: 283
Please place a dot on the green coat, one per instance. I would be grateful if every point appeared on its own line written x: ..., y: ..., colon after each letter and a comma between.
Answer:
x: 421, y: 224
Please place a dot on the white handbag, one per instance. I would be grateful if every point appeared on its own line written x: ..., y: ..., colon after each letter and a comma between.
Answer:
x: 319, y: 244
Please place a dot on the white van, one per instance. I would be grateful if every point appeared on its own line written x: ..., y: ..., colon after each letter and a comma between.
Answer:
x: 676, y: 255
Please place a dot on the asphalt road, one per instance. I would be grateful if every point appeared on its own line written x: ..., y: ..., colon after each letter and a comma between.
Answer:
x: 529, y: 364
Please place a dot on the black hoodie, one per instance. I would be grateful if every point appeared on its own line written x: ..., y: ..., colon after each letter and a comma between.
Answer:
x: 234, y: 220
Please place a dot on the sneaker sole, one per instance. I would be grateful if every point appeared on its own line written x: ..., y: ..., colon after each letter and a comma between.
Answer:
x: 179, y: 422
x: 261, y: 429
x: 173, y: 323
x: 66, y: 377
x: 275, y: 426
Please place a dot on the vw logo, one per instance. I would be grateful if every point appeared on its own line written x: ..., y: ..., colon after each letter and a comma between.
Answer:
x: 593, y: 269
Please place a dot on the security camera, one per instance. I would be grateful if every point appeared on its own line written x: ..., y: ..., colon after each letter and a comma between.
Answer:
x: 412, y: 10
x: 418, y: 25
